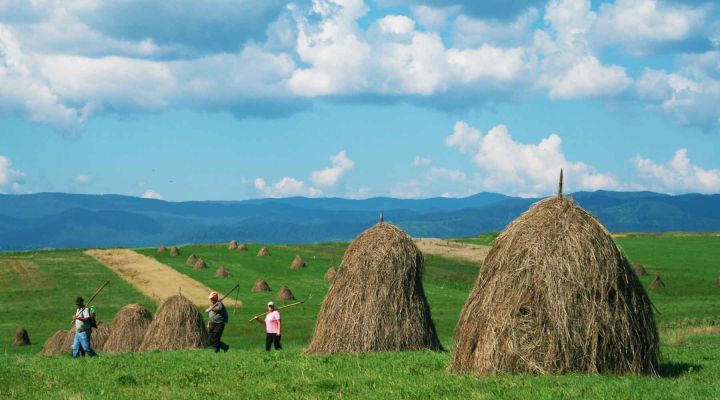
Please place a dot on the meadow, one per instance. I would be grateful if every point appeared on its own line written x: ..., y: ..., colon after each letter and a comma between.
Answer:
x: 37, y: 291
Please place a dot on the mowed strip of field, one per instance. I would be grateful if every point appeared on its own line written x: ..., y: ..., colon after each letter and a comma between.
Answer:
x: 473, y: 253
x: 153, y: 278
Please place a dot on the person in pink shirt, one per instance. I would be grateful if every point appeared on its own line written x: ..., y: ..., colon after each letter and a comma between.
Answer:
x: 272, y: 327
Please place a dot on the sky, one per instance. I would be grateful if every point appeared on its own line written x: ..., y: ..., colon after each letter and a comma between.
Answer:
x: 229, y: 100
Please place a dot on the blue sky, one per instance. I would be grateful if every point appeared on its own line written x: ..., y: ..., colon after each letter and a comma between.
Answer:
x: 245, y: 99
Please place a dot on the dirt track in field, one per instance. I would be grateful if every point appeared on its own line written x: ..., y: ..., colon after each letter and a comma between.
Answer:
x: 473, y: 253
x: 153, y: 278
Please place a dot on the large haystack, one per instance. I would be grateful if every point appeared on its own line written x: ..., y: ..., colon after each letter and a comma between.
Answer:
x: 222, y: 272
x: 261, y: 286
x: 174, y: 252
x: 232, y: 245
x: 639, y: 269
x: 21, y: 338
x: 200, y: 264
x: 297, y: 263
x: 657, y: 282
x: 377, y: 301
x: 128, y: 329
x: 191, y: 260
x: 556, y: 295
x: 285, y: 294
x: 177, y: 325
x: 330, y: 274
x: 55, y: 344
x: 242, y: 247
x: 264, y: 252
x: 100, y: 335
x: 161, y: 249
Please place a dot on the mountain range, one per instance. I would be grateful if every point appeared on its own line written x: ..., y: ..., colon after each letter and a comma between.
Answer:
x: 61, y: 220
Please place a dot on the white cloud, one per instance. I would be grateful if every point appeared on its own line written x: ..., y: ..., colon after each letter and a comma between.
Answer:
x: 452, y: 175
x: 586, y: 77
x: 330, y: 177
x: 82, y: 179
x: 512, y: 167
x: 151, y: 194
x: 471, y: 32
x: 286, y: 187
x: 396, y: 25
x: 10, y: 177
x: 433, y: 18
x: 419, y: 161
x: 677, y: 175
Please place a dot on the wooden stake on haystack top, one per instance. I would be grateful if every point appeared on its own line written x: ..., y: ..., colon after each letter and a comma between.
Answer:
x: 560, y: 184
x: 381, y: 217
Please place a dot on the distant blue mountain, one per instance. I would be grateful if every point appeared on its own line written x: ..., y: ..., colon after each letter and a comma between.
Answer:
x: 59, y: 220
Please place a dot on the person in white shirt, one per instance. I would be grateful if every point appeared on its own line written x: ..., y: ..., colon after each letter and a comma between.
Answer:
x: 83, y: 328
x: 272, y: 327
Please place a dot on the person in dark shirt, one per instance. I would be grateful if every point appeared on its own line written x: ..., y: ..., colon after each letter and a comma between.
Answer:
x: 217, y: 318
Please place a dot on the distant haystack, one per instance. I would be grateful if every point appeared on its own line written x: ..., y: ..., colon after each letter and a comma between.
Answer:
x: 21, y: 338
x: 261, y: 286
x: 161, y: 249
x: 128, y: 329
x: 639, y: 269
x: 222, y: 272
x: 377, y: 301
x: 657, y: 283
x: 556, y: 295
x: 285, y: 294
x: 55, y: 344
x: 242, y: 247
x: 233, y: 245
x: 297, y: 263
x: 174, y: 252
x: 330, y: 274
x: 200, y: 264
x: 264, y: 252
x: 100, y: 335
x: 177, y: 325
x: 191, y: 260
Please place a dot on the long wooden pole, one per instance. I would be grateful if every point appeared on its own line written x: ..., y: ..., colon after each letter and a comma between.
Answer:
x: 97, y: 292
x: 231, y: 290
x: 279, y: 308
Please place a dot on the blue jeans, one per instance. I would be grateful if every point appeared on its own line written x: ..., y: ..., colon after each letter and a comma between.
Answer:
x: 82, y: 340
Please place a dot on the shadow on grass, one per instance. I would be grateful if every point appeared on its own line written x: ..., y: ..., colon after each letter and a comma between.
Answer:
x: 673, y: 369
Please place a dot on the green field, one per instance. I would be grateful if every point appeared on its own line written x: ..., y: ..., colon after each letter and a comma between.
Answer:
x: 37, y: 291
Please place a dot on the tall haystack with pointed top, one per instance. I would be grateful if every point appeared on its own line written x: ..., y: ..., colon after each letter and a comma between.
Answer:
x: 161, y: 249
x: 297, y: 263
x: 285, y: 294
x: 232, y: 245
x: 128, y: 329
x: 376, y: 301
x: 21, y: 337
x: 242, y: 247
x: 191, y: 260
x: 222, y: 272
x: 264, y: 252
x: 261, y: 286
x: 200, y: 264
x: 657, y: 282
x: 556, y: 295
x: 330, y: 274
x: 174, y: 252
x: 177, y: 325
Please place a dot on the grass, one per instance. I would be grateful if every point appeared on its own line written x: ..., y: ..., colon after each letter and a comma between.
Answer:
x: 689, y: 314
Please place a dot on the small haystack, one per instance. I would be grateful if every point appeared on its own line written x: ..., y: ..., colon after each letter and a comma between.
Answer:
x: 657, y: 283
x: 242, y: 247
x: 639, y: 269
x: 100, y: 335
x: 161, y: 249
x: 128, y: 329
x: 297, y: 263
x: 264, y: 252
x: 21, y: 338
x: 330, y: 274
x: 55, y: 344
x: 191, y: 260
x: 232, y: 245
x: 200, y: 264
x: 222, y: 272
x: 377, y: 301
x: 177, y: 325
x: 261, y: 286
x: 174, y: 252
x: 285, y: 294
x: 556, y: 295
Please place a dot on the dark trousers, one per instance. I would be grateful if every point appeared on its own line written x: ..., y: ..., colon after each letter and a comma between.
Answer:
x: 215, y: 332
x: 272, y: 338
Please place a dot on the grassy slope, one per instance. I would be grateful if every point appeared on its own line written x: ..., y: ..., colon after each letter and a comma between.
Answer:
x: 691, y: 364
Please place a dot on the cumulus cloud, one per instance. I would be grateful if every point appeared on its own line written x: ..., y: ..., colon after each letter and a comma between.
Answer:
x: 472, y: 32
x: 330, y: 176
x: 286, y: 187
x: 677, y: 175
x: 10, y: 177
x: 419, y: 161
x: 508, y: 166
x: 82, y: 179
x: 151, y: 194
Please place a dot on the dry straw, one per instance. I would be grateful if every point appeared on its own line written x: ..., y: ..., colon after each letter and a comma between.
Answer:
x: 174, y: 251
x: 177, y: 325
x: 191, y: 260
x: 21, y: 338
x: 222, y: 272
x: 657, y: 282
x: 200, y: 264
x: 376, y: 301
x: 556, y: 295
x: 100, y: 335
x: 54, y: 345
x: 161, y: 249
x: 232, y: 245
x: 297, y: 263
x: 264, y: 252
x: 242, y: 247
x: 260, y: 286
x: 330, y: 274
x: 639, y: 269
x: 285, y: 294
x: 128, y: 329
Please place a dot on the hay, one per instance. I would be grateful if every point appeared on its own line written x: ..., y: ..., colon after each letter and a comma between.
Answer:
x: 191, y: 260
x: 297, y: 263
x: 200, y: 264
x: 222, y: 272
x: 233, y: 245
x: 639, y: 269
x: 100, y: 335
x: 264, y: 252
x: 657, y: 282
x: 177, y: 325
x: 128, y: 329
x: 54, y: 345
x: 556, y: 295
x: 260, y: 286
x: 21, y: 338
x: 285, y: 294
x: 174, y: 252
x: 161, y: 249
x: 377, y: 301
x: 242, y: 247
x: 330, y: 274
